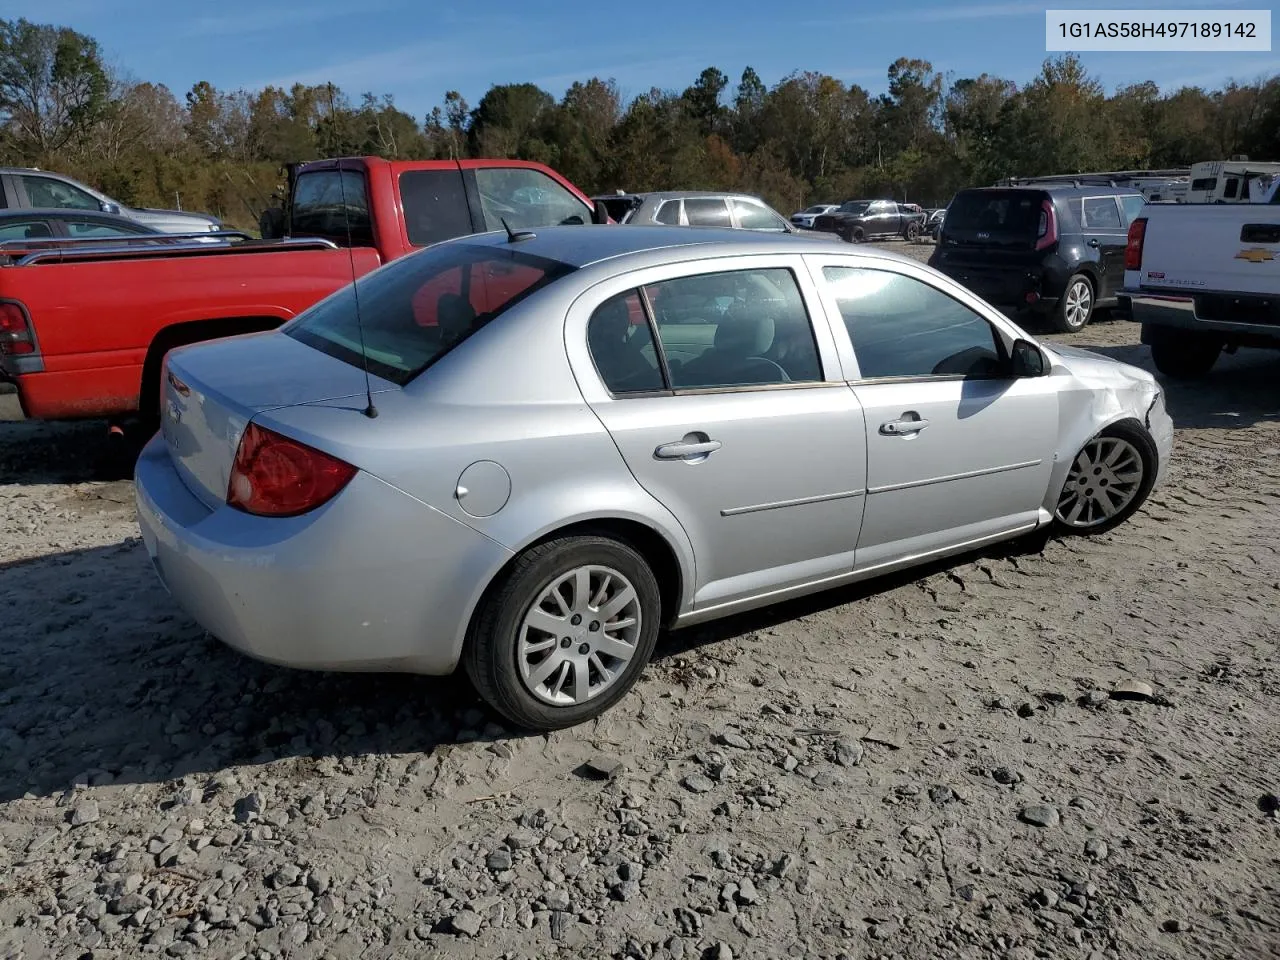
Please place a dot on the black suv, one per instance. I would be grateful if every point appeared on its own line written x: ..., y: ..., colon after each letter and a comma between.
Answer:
x: 1051, y: 245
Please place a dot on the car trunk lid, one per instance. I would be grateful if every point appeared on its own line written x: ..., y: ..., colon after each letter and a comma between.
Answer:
x: 211, y: 391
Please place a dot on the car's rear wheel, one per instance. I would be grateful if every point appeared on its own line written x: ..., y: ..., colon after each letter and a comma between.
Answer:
x: 912, y: 231
x: 566, y: 633
x: 1109, y: 479
x: 1075, y: 308
x: 1184, y: 355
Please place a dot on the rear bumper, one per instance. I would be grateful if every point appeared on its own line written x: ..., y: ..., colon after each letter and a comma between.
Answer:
x: 373, y: 580
x: 1179, y: 311
x: 1007, y: 288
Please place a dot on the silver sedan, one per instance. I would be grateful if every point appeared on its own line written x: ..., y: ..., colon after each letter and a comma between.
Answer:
x: 526, y: 455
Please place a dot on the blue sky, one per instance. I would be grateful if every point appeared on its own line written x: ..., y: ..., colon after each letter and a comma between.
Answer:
x: 417, y: 49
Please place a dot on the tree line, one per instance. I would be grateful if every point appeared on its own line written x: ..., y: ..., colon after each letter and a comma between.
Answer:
x: 809, y: 138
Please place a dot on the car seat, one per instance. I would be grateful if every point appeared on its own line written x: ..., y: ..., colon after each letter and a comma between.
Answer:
x: 737, y: 354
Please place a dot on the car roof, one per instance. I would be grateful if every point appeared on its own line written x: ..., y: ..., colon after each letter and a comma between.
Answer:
x: 582, y: 246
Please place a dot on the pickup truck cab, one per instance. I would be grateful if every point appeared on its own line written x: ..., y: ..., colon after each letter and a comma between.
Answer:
x: 84, y: 327
x: 1203, y: 278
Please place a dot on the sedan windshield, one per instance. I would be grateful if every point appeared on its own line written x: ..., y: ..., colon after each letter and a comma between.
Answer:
x: 413, y: 311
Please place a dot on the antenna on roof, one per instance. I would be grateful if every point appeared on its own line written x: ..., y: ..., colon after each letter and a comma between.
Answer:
x: 515, y: 236
x: 370, y: 410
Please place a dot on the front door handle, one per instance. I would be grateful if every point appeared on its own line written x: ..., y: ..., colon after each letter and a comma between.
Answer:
x: 686, y: 449
x: 903, y: 428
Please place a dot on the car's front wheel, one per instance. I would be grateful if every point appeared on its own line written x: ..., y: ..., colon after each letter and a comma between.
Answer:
x: 566, y: 633
x: 1109, y: 480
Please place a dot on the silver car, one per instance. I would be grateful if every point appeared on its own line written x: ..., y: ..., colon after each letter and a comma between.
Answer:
x: 804, y: 219
x: 698, y: 208
x: 572, y: 440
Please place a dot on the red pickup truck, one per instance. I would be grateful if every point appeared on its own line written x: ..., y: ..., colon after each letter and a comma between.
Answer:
x: 84, y: 327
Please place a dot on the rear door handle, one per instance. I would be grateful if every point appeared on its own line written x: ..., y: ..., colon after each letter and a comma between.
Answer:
x: 685, y: 449
x: 903, y: 428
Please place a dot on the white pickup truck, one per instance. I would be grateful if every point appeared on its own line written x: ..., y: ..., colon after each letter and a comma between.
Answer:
x: 1203, y: 278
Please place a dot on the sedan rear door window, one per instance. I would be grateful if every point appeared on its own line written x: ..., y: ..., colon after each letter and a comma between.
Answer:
x: 733, y: 329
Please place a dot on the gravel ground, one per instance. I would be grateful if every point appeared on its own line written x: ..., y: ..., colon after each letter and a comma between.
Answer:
x: 929, y: 766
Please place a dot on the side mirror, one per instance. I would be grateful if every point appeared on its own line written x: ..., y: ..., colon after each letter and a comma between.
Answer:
x: 599, y: 212
x: 109, y: 207
x: 1028, y: 360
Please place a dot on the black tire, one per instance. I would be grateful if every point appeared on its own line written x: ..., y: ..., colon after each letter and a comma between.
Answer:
x: 912, y: 232
x: 1136, y: 435
x: 1065, y: 317
x: 855, y: 235
x: 491, y: 652
x: 1184, y: 356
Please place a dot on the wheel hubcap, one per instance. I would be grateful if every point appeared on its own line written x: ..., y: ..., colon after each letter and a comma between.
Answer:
x: 1079, y: 298
x: 579, y: 635
x: 1103, y: 481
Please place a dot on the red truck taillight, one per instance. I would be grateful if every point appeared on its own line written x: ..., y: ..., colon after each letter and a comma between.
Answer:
x: 1133, y: 248
x: 16, y: 336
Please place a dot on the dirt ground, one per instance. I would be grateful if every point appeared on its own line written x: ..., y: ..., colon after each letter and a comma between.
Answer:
x: 924, y: 767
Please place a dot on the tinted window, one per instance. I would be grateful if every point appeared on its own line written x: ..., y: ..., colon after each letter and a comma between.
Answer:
x: 621, y: 345
x: 1231, y: 188
x: 745, y: 327
x: 329, y: 203
x: 1132, y: 207
x: 24, y: 230
x: 901, y: 327
x: 96, y: 228
x: 1010, y: 216
x: 417, y: 308
x: 526, y: 198
x: 669, y: 212
x: 435, y: 206
x: 754, y: 216
x: 1204, y: 183
x: 855, y: 206
x: 882, y: 206
x: 1101, y: 213
x: 47, y: 192
x: 706, y: 212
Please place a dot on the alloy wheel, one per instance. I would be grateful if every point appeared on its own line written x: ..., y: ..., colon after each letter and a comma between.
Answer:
x: 1079, y: 303
x: 1105, y: 478
x: 579, y: 635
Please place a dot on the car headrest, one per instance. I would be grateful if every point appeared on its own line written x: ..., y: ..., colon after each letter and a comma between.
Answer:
x: 746, y: 333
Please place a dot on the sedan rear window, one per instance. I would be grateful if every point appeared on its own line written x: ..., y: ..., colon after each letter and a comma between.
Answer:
x: 416, y: 309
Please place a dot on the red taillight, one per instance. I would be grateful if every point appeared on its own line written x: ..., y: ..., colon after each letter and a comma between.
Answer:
x: 1133, y: 248
x: 1047, y: 235
x: 274, y: 476
x: 15, y: 330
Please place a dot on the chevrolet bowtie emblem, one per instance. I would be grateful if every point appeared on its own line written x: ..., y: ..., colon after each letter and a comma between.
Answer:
x: 1255, y: 255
